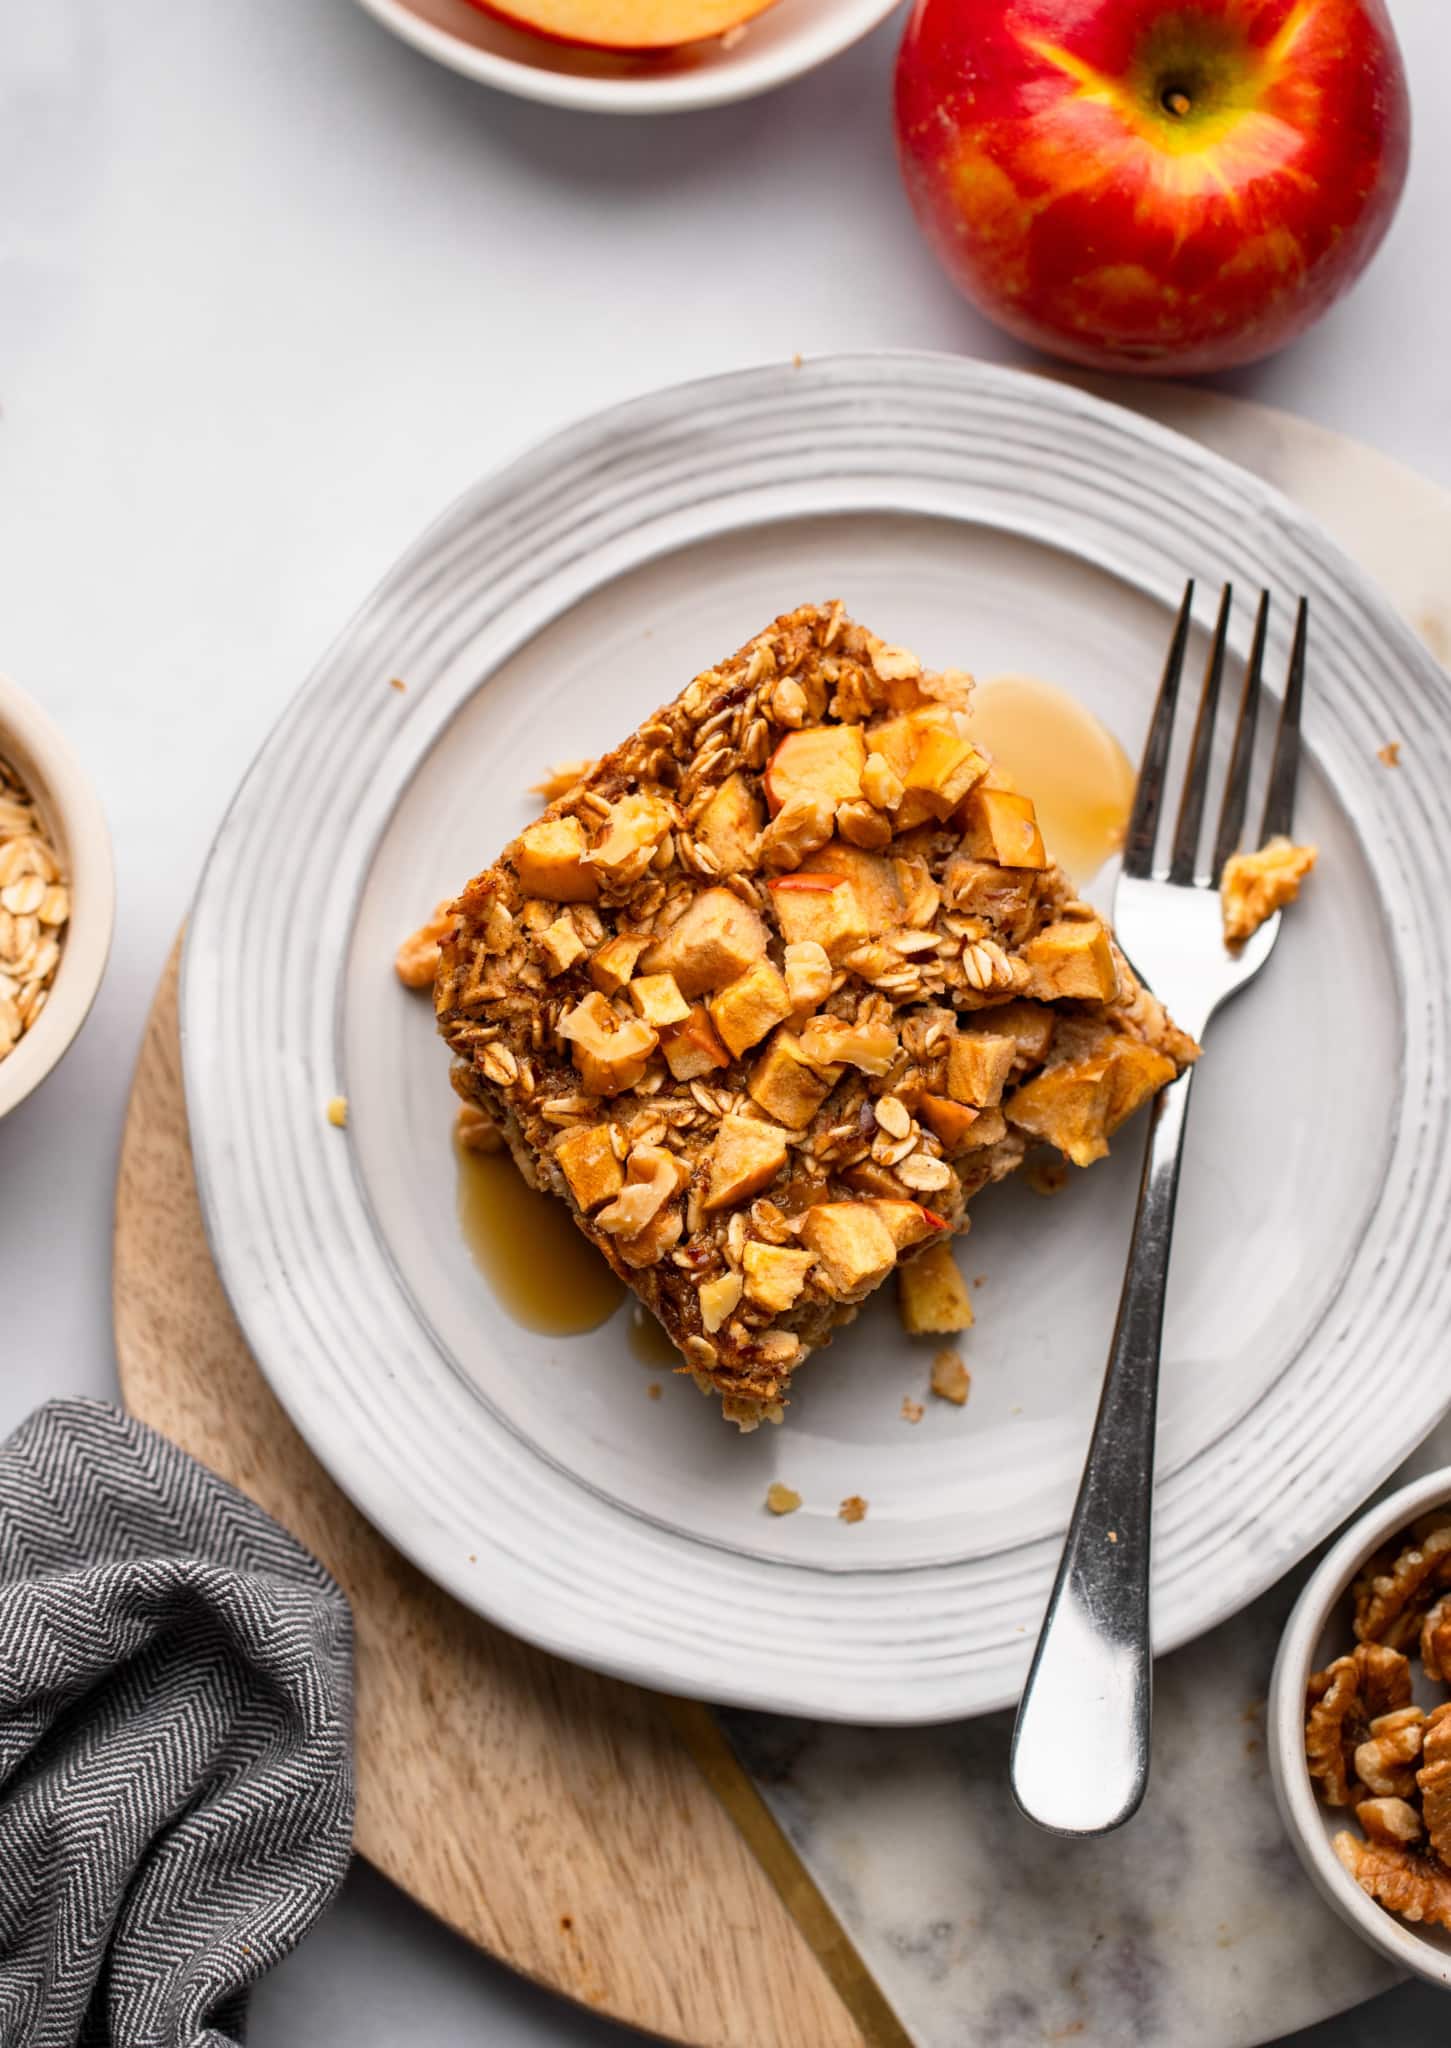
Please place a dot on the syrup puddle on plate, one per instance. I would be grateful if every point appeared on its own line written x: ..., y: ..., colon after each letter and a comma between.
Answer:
x: 1079, y: 777
x: 544, y: 1272
x: 649, y: 1342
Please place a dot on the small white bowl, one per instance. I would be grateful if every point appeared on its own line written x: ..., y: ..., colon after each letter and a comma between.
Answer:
x: 1318, y: 1630
x: 790, y: 38
x: 46, y: 763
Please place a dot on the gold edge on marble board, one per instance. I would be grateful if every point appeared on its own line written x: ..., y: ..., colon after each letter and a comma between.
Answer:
x: 716, y: 1760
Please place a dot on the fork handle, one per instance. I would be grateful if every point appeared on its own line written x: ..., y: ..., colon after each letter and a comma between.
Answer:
x: 1080, y: 1760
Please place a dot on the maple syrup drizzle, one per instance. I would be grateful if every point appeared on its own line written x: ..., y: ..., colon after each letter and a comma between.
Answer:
x: 1079, y: 777
x: 543, y: 1271
x: 649, y: 1342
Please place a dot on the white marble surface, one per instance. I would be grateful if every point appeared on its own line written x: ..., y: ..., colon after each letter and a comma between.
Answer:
x: 271, y: 289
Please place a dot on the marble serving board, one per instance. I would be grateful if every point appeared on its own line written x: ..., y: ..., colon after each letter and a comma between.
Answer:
x: 1194, y: 1925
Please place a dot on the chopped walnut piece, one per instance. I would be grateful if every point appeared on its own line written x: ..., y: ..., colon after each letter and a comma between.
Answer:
x: 1255, y: 885
x: 951, y: 1380
x: 653, y: 1177
x: 1436, y: 1641
x: 882, y: 786
x: 1342, y: 1701
x: 931, y: 1296
x: 808, y: 975
x: 416, y: 961
x: 782, y: 1500
x: 1433, y: 1780
x: 1383, y: 1760
x: 1389, y: 1604
x: 1394, y: 1822
x: 853, y: 1509
x: 634, y: 829
x: 1406, y: 1881
x: 827, y: 1042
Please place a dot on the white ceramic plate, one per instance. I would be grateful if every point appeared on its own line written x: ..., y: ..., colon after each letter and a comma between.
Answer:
x: 987, y: 519
x: 791, y: 38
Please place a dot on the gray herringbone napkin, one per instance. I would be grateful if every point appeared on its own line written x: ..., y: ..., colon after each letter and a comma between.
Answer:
x: 176, y: 1786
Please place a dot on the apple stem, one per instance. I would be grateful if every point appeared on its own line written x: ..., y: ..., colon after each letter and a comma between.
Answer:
x: 1176, y: 101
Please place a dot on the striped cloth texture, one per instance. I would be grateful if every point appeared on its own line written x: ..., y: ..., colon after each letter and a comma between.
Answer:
x: 176, y: 1778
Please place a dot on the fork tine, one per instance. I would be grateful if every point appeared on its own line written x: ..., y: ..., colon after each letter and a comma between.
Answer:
x: 1280, y: 798
x: 1236, y: 788
x: 1143, y: 827
x: 1185, y: 857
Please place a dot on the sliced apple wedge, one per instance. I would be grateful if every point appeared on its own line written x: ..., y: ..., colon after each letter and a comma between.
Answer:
x: 625, y: 24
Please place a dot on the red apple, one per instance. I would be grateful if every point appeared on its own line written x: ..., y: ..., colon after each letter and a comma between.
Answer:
x: 1162, y: 185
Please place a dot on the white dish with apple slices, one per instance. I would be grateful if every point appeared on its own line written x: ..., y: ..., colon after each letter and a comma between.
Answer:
x: 988, y: 520
x: 788, y: 39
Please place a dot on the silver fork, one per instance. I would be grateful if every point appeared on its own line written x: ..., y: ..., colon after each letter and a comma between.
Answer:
x: 1080, y: 1761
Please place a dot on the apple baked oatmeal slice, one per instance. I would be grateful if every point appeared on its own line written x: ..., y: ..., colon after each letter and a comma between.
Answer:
x: 778, y: 986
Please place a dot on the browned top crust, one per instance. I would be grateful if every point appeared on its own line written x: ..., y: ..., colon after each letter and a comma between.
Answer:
x: 779, y: 985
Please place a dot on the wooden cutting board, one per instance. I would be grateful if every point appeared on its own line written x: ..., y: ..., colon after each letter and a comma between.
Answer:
x: 600, y: 1839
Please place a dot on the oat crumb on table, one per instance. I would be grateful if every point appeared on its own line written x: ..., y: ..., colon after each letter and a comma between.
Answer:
x: 782, y: 1500
x: 337, y: 1112
x: 1390, y: 753
x: 853, y: 1508
x: 912, y: 1411
x: 951, y: 1379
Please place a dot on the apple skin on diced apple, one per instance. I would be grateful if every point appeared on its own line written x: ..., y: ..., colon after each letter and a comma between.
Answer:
x: 821, y: 760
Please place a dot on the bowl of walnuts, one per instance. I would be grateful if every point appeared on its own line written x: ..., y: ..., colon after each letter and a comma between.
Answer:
x: 57, y: 895
x: 1360, y: 1727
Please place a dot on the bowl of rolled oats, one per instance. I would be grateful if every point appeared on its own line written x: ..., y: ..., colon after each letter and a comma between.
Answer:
x: 1360, y: 1727
x: 57, y: 895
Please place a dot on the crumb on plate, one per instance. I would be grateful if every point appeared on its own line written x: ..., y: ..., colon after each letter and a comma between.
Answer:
x: 1046, y: 1176
x: 782, y: 1500
x: 912, y: 1411
x: 853, y: 1508
x: 1255, y: 885
x: 1390, y: 753
x: 950, y: 1378
x: 337, y: 1112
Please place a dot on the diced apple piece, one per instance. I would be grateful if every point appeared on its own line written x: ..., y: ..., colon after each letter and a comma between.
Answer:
x: 908, y: 1222
x: 873, y: 880
x: 951, y: 1122
x: 746, y: 1010
x: 786, y: 1084
x: 1072, y: 959
x: 1138, y: 1071
x: 990, y: 1129
x: 730, y: 824
x: 775, y: 1274
x: 550, y: 860
x: 823, y: 907
x: 830, y: 1041
x: 745, y: 1157
x: 613, y: 964
x: 587, y: 1160
x: 560, y: 945
x: 881, y: 784
x: 1067, y: 1105
x: 658, y: 999
x: 610, y: 1052
x: 978, y: 1066
x: 944, y: 768
x: 897, y: 739
x: 821, y: 760
x: 808, y: 975
x: 718, y: 1300
x: 714, y: 942
x: 986, y: 889
x: 1001, y: 825
x: 932, y: 1295
x: 636, y: 826
x: 852, y: 1244
x: 692, y: 1049
x: 1029, y: 1025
